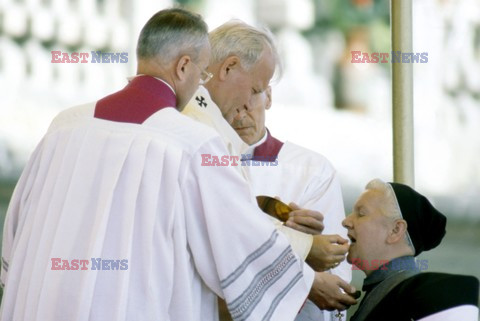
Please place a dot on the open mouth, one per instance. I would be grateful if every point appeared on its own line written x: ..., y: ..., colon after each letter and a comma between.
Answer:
x: 352, y: 239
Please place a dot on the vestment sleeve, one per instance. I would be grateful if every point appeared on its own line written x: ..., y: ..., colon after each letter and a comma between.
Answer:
x: 236, y: 249
x: 324, y: 194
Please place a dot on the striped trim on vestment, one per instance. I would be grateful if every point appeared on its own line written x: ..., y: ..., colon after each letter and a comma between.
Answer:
x: 243, y: 305
x: 281, y: 295
x: 252, y: 257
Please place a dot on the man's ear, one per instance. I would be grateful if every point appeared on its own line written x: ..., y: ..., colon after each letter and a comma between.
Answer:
x: 397, y: 232
x: 228, y: 66
x: 181, y: 67
x: 268, y: 103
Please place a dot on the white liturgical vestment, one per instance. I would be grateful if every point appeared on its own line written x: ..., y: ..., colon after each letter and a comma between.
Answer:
x: 302, y: 176
x: 295, y: 174
x: 203, y: 109
x: 114, y: 218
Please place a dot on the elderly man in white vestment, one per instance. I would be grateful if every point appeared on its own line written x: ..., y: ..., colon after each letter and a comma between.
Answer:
x: 299, y: 174
x: 243, y: 62
x: 114, y: 218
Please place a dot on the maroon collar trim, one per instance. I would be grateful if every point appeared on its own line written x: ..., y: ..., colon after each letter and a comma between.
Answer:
x: 141, y: 98
x: 268, y: 151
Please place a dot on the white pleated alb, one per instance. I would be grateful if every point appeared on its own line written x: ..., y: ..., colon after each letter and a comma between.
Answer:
x: 101, y: 189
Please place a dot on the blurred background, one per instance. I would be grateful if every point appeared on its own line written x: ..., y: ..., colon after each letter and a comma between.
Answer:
x: 323, y: 101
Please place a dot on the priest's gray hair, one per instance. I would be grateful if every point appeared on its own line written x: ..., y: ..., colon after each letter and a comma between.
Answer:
x: 171, y: 33
x: 392, y: 208
x: 236, y: 38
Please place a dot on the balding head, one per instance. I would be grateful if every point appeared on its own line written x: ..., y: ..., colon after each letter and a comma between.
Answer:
x: 171, y: 33
x: 173, y: 46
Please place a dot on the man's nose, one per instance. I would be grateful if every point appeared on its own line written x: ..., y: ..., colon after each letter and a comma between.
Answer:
x: 346, y: 223
x: 240, y: 113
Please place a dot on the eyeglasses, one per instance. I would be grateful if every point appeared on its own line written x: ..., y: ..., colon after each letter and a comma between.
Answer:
x: 205, y: 76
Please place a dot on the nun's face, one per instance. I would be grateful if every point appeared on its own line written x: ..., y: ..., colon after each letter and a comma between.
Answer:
x: 367, y: 230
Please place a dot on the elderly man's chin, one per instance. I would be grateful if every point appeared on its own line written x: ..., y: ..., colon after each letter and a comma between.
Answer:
x: 349, y: 258
x: 245, y: 135
x: 351, y: 255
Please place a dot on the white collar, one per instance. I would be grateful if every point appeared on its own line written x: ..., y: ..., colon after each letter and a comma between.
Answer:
x: 252, y: 147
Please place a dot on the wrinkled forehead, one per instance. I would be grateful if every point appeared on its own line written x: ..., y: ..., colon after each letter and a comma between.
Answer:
x: 371, y: 201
